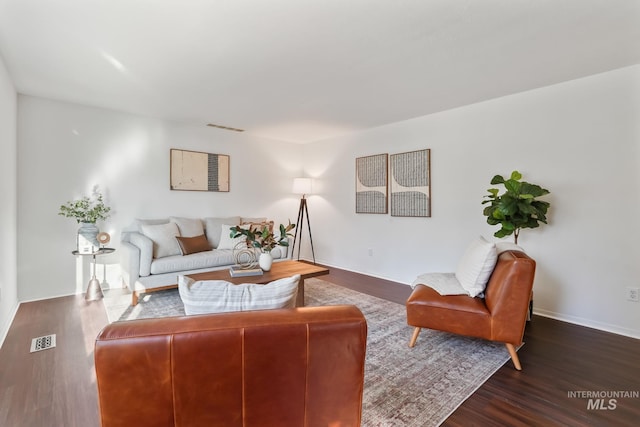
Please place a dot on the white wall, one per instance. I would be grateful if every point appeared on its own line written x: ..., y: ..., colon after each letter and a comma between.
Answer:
x: 579, y: 139
x: 9, y: 205
x: 65, y: 149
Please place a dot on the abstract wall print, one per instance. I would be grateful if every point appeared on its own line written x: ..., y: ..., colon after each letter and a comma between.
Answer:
x: 371, y: 184
x: 411, y: 184
x: 196, y: 171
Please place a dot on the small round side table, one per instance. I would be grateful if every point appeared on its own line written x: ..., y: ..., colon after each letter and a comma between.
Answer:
x: 94, y: 291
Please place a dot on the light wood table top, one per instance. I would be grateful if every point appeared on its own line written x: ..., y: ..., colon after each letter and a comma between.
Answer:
x: 279, y: 270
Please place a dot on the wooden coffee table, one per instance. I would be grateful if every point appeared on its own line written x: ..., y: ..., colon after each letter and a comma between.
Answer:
x: 279, y: 270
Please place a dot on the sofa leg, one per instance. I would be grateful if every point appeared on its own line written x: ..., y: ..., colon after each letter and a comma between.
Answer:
x: 514, y: 356
x: 414, y: 337
x: 134, y: 298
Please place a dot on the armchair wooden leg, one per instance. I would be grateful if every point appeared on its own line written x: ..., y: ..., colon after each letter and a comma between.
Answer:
x: 514, y: 356
x: 414, y: 337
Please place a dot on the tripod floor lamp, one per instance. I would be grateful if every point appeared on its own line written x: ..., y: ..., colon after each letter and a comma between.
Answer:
x: 302, y: 186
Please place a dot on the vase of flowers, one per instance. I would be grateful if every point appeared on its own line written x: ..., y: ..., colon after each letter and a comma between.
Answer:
x: 262, y: 238
x: 87, y: 211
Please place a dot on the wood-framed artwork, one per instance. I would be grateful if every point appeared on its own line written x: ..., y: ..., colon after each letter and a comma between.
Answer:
x: 410, y: 175
x: 198, y: 171
x: 372, y: 184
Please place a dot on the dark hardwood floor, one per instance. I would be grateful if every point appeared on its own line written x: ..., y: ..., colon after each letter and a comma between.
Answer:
x: 56, y: 387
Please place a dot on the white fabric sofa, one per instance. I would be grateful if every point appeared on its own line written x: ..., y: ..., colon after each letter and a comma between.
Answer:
x: 151, y: 257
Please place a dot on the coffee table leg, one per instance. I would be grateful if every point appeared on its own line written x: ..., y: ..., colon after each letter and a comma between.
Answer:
x: 300, y: 297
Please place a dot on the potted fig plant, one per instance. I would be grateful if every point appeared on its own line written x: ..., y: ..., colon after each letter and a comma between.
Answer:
x: 517, y: 208
x: 87, y: 211
x: 265, y: 240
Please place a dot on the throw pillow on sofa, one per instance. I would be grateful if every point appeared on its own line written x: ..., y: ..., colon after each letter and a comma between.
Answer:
x: 218, y: 296
x: 192, y: 245
x: 226, y: 242
x: 244, y: 220
x: 188, y: 227
x: 259, y: 225
x: 212, y: 228
x: 163, y: 237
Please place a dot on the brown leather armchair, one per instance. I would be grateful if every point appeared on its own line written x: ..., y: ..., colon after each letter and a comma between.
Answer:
x: 289, y: 367
x: 500, y: 316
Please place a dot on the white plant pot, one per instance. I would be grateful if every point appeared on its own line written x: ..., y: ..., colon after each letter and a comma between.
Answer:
x: 265, y: 260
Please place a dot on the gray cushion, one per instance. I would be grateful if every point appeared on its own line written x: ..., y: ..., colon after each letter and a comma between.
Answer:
x: 189, y: 227
x: 179, y: 263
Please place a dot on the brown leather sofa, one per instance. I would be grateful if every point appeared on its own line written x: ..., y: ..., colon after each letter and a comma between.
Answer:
x: 500, y: 316
x: 289, y: 367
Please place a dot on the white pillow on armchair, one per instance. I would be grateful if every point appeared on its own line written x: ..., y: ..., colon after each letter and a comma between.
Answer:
x: 476, y: 266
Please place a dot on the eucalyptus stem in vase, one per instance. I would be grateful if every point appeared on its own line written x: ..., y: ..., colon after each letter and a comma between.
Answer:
x: 87, y: 211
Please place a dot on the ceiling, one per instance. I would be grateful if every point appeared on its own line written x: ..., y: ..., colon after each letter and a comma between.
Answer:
x: 307, y: 70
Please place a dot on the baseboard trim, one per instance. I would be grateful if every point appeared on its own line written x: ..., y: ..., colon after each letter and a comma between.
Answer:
x: 52, y: 297
x: 354, y: 271
x: 5, y: 328
x: 605, y: 327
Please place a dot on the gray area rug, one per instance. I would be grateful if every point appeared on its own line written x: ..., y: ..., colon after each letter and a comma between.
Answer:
x: 403, y: 386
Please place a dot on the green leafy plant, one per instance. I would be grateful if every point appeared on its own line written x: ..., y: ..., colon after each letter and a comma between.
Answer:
x: 517, y: 207
x: 86, y: 209
x: 263, y: 238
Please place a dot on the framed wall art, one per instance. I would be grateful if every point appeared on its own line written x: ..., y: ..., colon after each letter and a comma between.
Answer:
x: 371, y: 184
x: 197, y: 171
x: 411, y: 183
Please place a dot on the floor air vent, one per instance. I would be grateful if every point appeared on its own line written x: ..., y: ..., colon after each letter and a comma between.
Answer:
x: 43, y: 343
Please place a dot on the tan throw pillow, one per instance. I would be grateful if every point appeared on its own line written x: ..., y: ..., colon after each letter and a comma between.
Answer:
x: 192, y: 245
x: 246, y: 219
x: 259, y: 225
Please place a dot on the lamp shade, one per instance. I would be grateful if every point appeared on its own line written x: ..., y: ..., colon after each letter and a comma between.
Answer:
x: 302, y: 185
